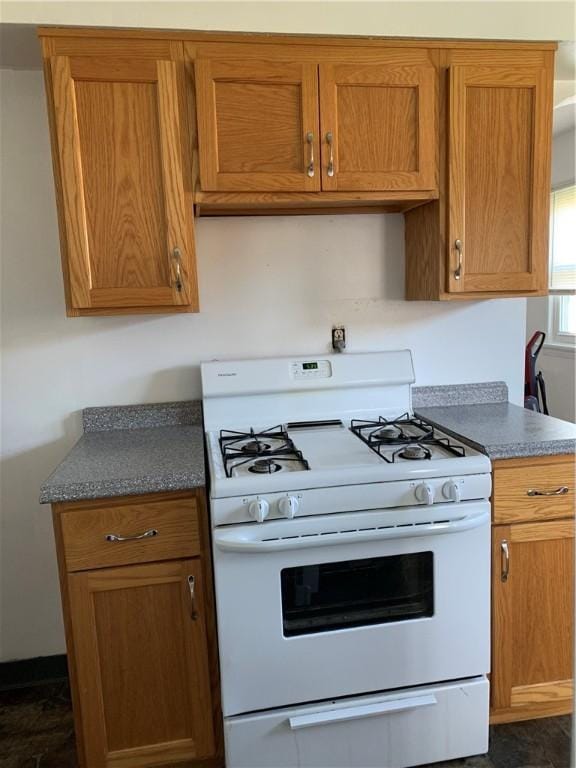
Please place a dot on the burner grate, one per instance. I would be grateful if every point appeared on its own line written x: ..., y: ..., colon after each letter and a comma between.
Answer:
x: 261, y: 451
x: 413, y: 437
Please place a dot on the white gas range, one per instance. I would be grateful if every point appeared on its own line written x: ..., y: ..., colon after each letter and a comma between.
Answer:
x: 351, y: 557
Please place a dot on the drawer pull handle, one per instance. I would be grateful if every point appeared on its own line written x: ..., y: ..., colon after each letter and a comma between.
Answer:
x: 562, y: 491
x: 360, y: 712
x: 310, y: 166
x: 192, y: 588
x: 330, y: 142
x: 177, y: 256
x: 460, y: 251
x: 505, y: 554
x: 146, y: 535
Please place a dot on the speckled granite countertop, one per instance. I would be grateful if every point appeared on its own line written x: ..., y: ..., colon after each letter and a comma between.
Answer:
x: 131, y: 450
x: 138, y: 449
x: 502, y: 430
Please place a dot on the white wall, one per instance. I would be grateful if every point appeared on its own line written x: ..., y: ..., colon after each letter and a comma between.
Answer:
x: 268, y: 286
x: 557, y: 365
x: 534, y: 20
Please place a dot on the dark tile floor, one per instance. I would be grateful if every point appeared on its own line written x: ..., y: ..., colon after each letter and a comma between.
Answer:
x: 37, y: 731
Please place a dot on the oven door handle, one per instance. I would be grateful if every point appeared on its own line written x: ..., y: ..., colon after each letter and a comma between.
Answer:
x: 357, y: 713
x: 245, y: 540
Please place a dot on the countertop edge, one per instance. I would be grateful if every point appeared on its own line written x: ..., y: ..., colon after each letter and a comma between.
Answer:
x: 71, y: 492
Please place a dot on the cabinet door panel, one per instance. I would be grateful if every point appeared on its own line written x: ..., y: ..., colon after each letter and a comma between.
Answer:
x: 120, y: 127
x: 382, y: 122
x: 499, y: 139
x: 254, y: 118
x: 142, y: 665
x: 532, y: 654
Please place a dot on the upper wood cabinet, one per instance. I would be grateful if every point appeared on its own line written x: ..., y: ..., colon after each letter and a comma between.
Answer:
x: 257, y: 125
x: 498, y: 186
x: 123, y: 170
x: 487, y: 235
x: 378, y: 127
x: 151, y: 128
x: 307, y: 126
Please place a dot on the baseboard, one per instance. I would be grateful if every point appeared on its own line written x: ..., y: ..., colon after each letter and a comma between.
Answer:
x: 25, y: 672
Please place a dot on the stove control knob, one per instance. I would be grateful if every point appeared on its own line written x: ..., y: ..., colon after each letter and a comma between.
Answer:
x: 451, y: 491
x: 259, y: 509
x: 288, y: 506
x: 425, y: 493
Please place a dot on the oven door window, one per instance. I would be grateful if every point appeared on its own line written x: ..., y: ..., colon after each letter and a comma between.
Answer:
x: 357, y: 593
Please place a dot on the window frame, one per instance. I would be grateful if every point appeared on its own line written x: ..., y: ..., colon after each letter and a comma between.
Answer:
x: 558, y: 339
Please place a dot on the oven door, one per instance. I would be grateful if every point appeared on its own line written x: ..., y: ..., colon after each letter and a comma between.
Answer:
x: 346, y: 604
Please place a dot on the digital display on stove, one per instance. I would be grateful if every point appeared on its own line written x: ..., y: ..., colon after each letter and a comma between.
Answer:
x: 310, y: 366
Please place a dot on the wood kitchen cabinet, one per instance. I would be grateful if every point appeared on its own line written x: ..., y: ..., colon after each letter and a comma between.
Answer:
x: 257, y: 125
x: 311, y: 124
x: 140, y: 630
x: 532, y: 588
x: 487, y: 235
x: 120, y: 138
x: 378, y: 126
x: 151, y: 128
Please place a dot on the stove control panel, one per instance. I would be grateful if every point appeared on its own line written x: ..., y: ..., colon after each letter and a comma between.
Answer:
x: 452, y: 491
x: 288, y: 506
x: 293, y: 504
x: 311, y: 369
x: 424, y: 493
x: 259, y: 509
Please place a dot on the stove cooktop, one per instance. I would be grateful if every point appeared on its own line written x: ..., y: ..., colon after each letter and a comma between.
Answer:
x: 332, y: 452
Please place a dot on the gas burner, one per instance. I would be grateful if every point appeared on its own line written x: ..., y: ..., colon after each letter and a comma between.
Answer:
x: 414, y: 438
x: 264, y: 467
x: 261, y: 453
x: 401, y: 431
x: 255, y: 446
x: 415, y: 452
x: 389, y: 432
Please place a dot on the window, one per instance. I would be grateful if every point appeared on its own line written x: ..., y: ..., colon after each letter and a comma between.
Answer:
x: 357, y: 593
x: 562, y: 325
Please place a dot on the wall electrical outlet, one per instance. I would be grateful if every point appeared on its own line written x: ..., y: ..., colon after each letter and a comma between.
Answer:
x: 339, y: 338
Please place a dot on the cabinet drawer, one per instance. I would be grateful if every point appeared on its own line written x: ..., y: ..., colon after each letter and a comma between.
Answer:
x: 384, y: 729
x: 528, y: 492
x: 142, y: 533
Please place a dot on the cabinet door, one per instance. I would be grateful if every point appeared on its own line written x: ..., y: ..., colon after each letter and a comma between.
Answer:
x: 499, y: 178
x: 378, y: 127
x: 125, y: 174
x: 532, y: 615
x: 142, y: 665
x: 257, y: 125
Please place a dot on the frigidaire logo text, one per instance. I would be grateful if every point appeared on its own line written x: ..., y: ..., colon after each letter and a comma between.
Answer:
x: 227, y: 374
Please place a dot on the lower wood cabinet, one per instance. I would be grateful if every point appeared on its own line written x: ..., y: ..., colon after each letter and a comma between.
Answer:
x: 532, y: 589
x: 140, y: 635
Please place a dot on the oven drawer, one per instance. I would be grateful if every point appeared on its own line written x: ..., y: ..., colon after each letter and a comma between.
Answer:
x: 120, y: 534
x: 394, y: 730
x: 533, y: 489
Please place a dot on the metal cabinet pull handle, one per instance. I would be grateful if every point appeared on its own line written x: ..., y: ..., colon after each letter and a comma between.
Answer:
x: 460, y: 251
x: 310, y: 166
x: 562, y: 491
x: 192, y: 588
x: 146, y: 535
x: 505, y: 554
x: 177, y: 256
x: 330, y: 142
